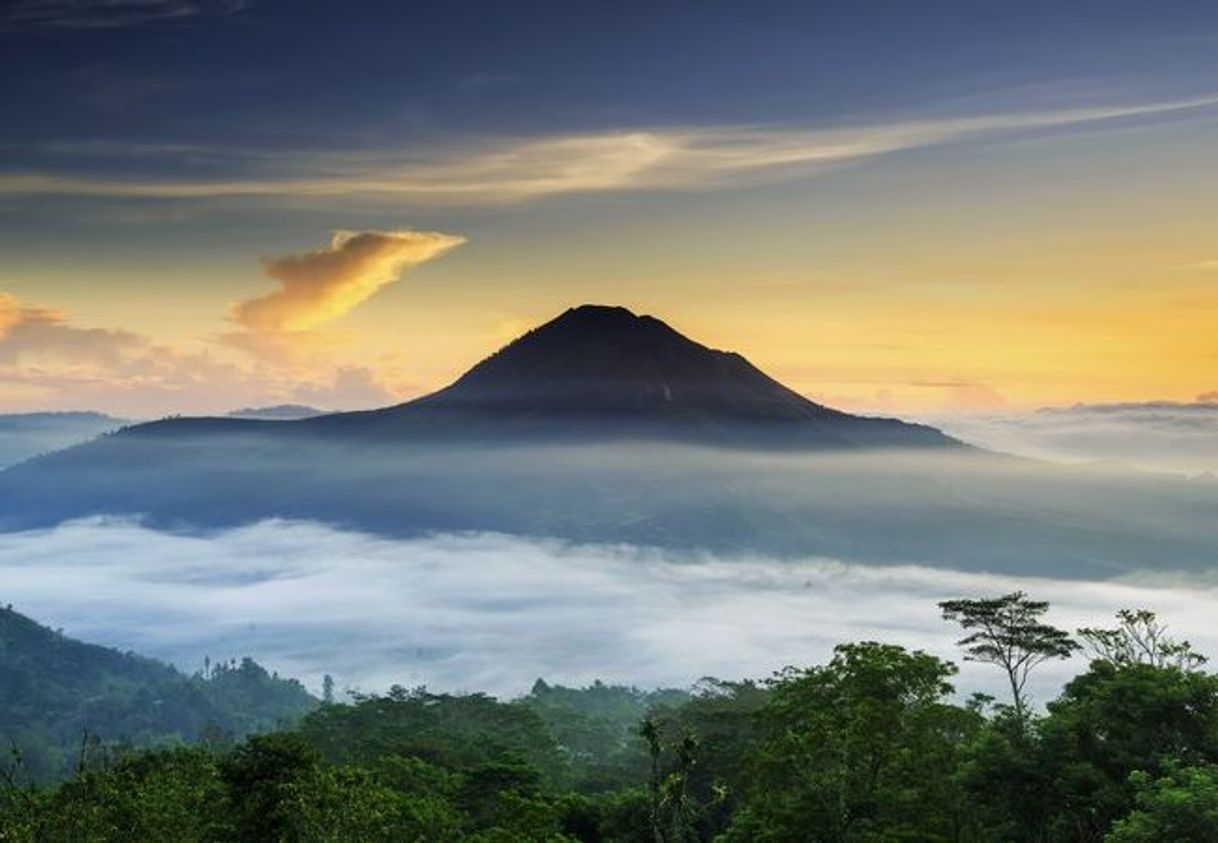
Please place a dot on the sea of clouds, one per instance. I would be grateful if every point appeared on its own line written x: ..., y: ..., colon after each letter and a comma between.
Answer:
x: 492, y: 612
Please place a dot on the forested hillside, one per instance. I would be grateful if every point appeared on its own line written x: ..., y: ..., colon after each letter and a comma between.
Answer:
x: 874, y: 745
x: 62, y: 699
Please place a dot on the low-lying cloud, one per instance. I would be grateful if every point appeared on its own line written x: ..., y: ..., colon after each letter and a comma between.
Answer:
x: 1157, y: 435
x: 492, y: 612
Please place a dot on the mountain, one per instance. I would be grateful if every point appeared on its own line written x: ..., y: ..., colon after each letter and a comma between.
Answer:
x: 25, y: 435
x: 54, y: 689
x: 599, y: 372
x: 604, y: 426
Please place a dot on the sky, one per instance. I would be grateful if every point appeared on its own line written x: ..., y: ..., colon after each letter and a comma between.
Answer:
x: 892, y: 207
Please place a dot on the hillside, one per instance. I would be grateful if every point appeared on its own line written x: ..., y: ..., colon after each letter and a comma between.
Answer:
x: 55, y: 690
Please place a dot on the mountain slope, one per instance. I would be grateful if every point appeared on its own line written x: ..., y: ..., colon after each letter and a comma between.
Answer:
x: 54, y: 689
x: 24, y: 435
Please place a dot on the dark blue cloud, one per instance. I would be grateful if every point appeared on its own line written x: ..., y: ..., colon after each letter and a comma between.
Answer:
x: 386, y: 70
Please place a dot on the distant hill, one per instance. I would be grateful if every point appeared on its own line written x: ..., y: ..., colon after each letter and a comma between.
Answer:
x: 277, y: 412
x: 25, y: 435
x: 54, y: 690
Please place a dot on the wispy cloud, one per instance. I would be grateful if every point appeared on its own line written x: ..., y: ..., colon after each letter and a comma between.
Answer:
x: 524, y: 169
x: 106, y: 14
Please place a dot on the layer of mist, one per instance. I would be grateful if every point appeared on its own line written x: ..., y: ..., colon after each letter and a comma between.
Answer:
x: 964, y: 510
x: 1157, y: 436
x: 492, y: 612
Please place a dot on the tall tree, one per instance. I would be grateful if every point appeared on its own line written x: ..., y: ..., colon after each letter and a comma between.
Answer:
x: 1140, y: 638
x: 1007, y: 631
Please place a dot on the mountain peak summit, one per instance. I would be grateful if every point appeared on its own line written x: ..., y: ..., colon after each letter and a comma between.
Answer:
x: 607, y: 323
x: 598, y: 359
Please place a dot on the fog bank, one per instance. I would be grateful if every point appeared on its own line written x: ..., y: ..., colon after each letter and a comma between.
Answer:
x: 1157, y: 435
x: 490, y: 612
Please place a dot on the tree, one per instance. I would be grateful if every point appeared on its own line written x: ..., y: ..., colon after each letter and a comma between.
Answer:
x: 335, y: 805
x: 1182, y: 805
x: 670, y: 806
x: 164, y: 795
x: 861, y: 749
x: 1007, y: 631
x: 1140, y: 638
x: 259, y: 774
x: 1113, y: 721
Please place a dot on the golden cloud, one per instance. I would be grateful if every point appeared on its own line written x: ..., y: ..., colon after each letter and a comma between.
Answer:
x: 32, y: 332
x: 323, y: 284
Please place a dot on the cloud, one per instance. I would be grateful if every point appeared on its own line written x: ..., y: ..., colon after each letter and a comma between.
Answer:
x: 28, y: 332
x: 48, y: 362
x: 491, y: 612
x: 326, y: 283
x: 517, y: 170
x: 1157, y: 435
x: 353, y: 387
x: 107, y: 14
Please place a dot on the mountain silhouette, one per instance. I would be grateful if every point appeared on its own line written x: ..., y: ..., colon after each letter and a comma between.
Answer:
x: 604, y: 372
x: 594, y: 359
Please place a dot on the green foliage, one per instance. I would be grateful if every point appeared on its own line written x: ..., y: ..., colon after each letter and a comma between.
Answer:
x: 450, y: 731
x: 168, y: 795
x: 260, y: 774
x: 862, y: 749
x: 336, y: 805
x: 870, y: 747
x: 1182, y: 805
x: 53, y: 689
x: 1113, y: 721
x: 596, y: 729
